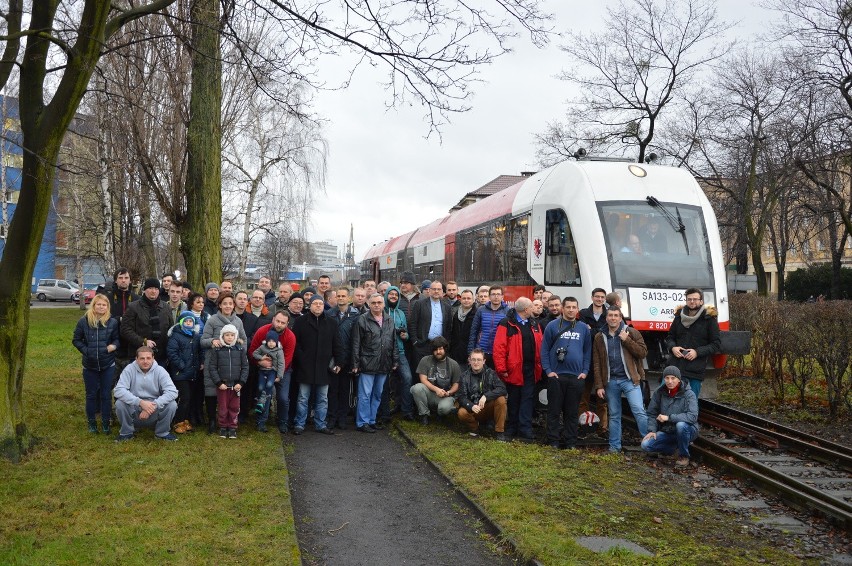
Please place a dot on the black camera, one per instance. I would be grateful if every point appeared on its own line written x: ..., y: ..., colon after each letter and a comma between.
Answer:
x: 560, y: 354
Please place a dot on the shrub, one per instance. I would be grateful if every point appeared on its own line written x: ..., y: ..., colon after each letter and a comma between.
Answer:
x: 816, y: 280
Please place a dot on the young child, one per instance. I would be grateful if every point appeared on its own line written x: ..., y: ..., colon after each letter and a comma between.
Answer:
x: 227, y: 371
x: 184, y: 352
x: 268, y: 377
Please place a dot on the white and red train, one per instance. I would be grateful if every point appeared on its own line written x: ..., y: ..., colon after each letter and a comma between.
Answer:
x: 647, y: 232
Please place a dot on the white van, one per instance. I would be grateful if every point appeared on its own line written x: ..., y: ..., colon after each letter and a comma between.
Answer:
x: 56, y: 290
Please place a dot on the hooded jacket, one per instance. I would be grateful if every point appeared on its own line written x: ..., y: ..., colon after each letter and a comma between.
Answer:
x: 184, y: 352
x: 509, y: 349
x: 154, y: 385
x: 228, y: 365
x: 92, y: 342
x: 682, y: 408
x: 702, y: 336
x: 397, y: 315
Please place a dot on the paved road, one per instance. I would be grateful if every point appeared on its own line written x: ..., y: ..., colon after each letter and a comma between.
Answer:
x: 362, y: 499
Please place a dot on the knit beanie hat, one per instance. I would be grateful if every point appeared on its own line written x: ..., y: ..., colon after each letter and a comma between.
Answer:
x: 271, y: 335
x: 184, y: 315
x: 672, y: 370
x: 425, y: 284
x: 310, y: 290
x: 317, y: 298
x: 151, y: 282
x: 210, y: 286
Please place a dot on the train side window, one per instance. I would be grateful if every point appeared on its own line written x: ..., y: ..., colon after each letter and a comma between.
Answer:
x: 560, y: 262
x: 517, y: 249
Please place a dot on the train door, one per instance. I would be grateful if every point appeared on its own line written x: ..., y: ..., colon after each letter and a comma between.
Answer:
x: 450, y: 257
x: 553, y: 254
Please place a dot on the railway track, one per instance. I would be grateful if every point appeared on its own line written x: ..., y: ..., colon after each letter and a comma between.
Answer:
x: 806, y: 472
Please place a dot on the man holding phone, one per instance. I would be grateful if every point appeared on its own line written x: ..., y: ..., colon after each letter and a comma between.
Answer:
x: 617, y: 355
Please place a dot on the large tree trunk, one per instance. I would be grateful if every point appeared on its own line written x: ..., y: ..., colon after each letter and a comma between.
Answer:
x: 201, y: 233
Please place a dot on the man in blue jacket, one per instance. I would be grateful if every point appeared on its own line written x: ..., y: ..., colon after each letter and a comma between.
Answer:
x: 566, y: 353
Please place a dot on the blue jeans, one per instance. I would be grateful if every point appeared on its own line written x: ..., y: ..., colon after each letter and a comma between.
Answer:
x: 406, y: 402
x: 614, y: 388
x: 320, y: 405
x: 98, y: 392
x: 520, y: 409
x: 695, y: 385
x: 666, y: 442
x: 265, y: 385
x: 282, y: 399
x: 370, y: 387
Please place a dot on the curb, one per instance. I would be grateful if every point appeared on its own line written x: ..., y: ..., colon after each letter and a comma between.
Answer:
x: 494, y: 525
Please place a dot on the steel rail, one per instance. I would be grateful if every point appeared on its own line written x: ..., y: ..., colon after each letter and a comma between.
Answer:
x: 771, y: 427
x: 791, y: 489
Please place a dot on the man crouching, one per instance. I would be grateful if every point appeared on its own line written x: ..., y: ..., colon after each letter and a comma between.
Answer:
x: 481, y: 396
x: 672, y: 418
x: 145, y: 396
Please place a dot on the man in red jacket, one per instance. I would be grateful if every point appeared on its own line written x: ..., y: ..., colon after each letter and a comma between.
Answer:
x: 282, y: 388
x: 517, y: 361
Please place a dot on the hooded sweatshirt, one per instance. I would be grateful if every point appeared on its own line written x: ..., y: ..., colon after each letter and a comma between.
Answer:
x: 398, y: 317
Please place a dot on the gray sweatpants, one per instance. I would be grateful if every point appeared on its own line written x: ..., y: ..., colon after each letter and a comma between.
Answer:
x: 161, y: 420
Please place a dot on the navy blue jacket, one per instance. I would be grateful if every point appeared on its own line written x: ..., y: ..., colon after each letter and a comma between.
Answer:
x: 93, y: 342
x: 184, y: 354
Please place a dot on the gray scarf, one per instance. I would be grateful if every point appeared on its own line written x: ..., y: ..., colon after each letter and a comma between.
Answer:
x: 687, y: 320
x: 463, y: 313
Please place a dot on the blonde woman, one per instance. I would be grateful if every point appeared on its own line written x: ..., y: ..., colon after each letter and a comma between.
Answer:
x: 96, y: 336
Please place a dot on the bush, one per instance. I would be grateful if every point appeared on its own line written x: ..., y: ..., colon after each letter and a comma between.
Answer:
x: 816, y: 280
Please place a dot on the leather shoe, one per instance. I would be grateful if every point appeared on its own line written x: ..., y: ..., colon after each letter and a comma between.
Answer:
x: 325, y: 430
x: 424, y: 419
x: 378, y: 426
x: 366, y: 428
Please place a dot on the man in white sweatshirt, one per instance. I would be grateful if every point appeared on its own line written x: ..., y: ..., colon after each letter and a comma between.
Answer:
x: 145, y: 396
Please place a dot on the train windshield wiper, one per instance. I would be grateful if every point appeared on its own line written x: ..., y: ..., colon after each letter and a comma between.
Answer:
x: 674, y: 221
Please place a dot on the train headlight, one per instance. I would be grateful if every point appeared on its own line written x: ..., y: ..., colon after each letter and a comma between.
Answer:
x: 710, y: 298
x: 637, y: 170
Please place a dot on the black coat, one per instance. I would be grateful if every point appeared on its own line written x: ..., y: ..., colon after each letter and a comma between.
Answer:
x: 136, y: 328
x: 421, y: 319
x: 702, y: 336
x: 374, y: 348
x: 314, y: 348
x: 460, y: 334
x: 93, y: 342
x: 225, y: 365
x: 250, y: 323
x: 343, y: 337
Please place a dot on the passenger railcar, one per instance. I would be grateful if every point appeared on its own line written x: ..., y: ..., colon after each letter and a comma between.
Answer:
x: 647, y: 232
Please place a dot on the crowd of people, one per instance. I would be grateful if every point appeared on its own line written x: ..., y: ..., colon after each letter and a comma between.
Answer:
x: 174, y: 359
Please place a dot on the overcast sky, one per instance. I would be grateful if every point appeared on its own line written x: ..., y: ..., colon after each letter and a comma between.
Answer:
x: 386, y: 178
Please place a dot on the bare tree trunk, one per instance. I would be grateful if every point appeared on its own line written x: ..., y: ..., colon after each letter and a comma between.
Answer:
x: 201, y: 232
x: 146, y: 237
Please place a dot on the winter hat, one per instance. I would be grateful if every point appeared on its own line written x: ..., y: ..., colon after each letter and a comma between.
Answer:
x: 425, y: 285
x: 672, y: 370
x: 210, y: 286
x: 186, y: 315
x: 407, y: 277
x: 296, y: 295
x: 271, y: 335
x: 316, y: 298
x: 226, y: 329
x: 151, y: 282
x: 310, y: 290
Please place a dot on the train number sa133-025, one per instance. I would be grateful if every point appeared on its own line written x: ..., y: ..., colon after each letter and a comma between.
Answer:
x: 663, y: 296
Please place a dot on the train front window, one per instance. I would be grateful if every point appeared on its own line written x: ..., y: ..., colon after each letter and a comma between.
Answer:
x: 664, y: 245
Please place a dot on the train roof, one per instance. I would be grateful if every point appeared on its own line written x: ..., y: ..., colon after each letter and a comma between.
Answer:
x: 395, y: 244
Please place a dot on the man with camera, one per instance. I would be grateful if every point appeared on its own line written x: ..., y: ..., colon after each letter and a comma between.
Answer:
x: 566, y: 353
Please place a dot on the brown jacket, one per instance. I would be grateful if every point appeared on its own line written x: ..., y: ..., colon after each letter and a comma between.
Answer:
x: 633, y: 349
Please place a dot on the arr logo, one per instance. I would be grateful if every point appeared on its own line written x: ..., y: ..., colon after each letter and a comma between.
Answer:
x: 537, y: 248
x: 654, y: 311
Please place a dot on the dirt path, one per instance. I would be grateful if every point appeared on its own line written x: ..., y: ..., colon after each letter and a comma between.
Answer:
x: 363, y: 499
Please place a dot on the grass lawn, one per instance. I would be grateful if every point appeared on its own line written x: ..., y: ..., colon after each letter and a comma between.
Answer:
x: 83, y: 499
x: 544, y: 499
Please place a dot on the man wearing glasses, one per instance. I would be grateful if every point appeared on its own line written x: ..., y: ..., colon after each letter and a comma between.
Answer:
x: 694, y: 337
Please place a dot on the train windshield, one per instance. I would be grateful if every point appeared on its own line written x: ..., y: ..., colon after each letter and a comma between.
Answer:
x: 655, y: 244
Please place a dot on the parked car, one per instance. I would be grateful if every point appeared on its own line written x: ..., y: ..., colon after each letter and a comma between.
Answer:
x: 57, y: 290
x: 89, y: 290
